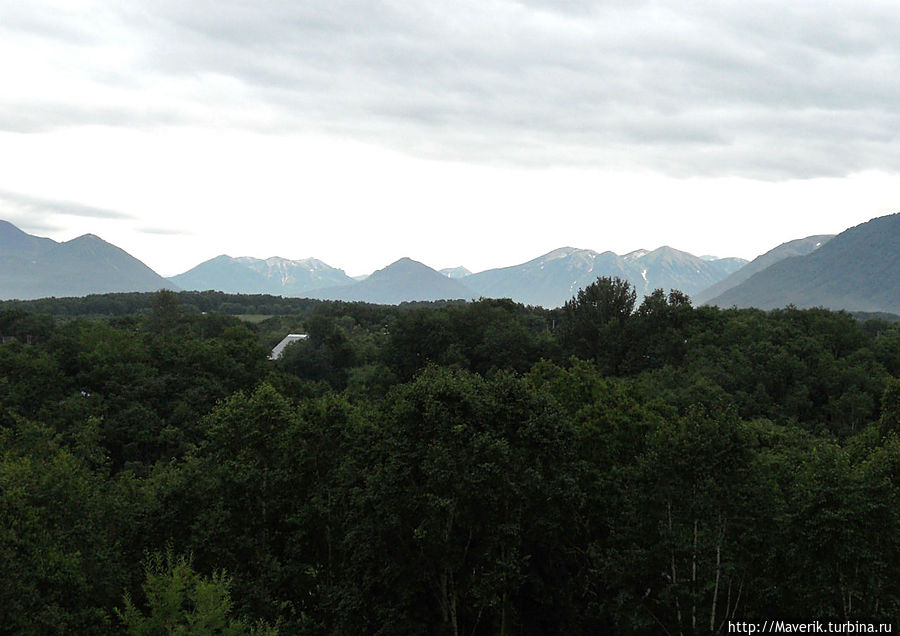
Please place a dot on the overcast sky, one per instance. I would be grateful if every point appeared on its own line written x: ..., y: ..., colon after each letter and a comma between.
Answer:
x: 480, y: 133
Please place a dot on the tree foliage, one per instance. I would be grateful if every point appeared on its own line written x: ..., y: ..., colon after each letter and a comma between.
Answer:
x: 444, y: 468
x: 181, y: 601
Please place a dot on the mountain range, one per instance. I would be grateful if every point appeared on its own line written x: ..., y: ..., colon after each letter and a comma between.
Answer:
x: 552, y: 279
x: 549, y: 280
x: 855, y: 270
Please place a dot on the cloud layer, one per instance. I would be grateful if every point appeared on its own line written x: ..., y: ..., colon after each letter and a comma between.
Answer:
x: 39, y: 207
x: 756, y: 89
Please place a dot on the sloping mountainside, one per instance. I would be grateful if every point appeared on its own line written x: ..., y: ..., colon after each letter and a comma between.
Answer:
x: 276, y: 276
x: 799, y: 247
x: 857, y: 270
x: 34, y: 267
x: 16, y: 244
x: 552, y: 279
x: 404, y: 280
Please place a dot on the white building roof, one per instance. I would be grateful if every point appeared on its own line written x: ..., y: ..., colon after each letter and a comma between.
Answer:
x: 288, y: 339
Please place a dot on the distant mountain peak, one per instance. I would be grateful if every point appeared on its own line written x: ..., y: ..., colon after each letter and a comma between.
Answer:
x: 85, y: 238
x: 636, y: 254
x: 561, y: 252
x: 404, y: 265
x: 403, y: 280
x: 665, y: 251
x: 274, y: 275
x: 455, y: 272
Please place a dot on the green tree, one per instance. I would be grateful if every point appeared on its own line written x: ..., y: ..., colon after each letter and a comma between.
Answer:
x: 328, y: 354
x: 659, y: 331
x: 181, y: 601
x: 165, y: 310
x: 594, y: 322
x: 60, y: 568
x: 462, y: 525
x: 890, y: 407
x: 686, y: 535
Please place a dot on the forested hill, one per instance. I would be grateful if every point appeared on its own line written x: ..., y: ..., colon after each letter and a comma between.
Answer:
x: 857, y: 270
x: 613, y: 466
x: 798, y: 247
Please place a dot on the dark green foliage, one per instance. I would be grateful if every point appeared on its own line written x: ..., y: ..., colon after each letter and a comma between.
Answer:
x: 445, y: 468
x: 165, y: 310
x: 124, y: 304
x: 479, y: 336
x: 328, y: 354
x: 147, y: 383
x: 595, y: 320
x: 59, y: 566
x: 474, y: 482
x: 890, y: 407
x: 687, y: 532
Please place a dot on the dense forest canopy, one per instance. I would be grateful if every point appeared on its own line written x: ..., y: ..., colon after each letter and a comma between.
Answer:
x: 444, y: 468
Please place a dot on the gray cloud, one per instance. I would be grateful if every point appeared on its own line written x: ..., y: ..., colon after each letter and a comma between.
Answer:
x: 39, y: 208
x: 163, y: 231
x: 761, y: 89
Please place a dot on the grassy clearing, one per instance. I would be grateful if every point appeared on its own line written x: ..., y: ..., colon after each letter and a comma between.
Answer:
x: 254, y: 318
